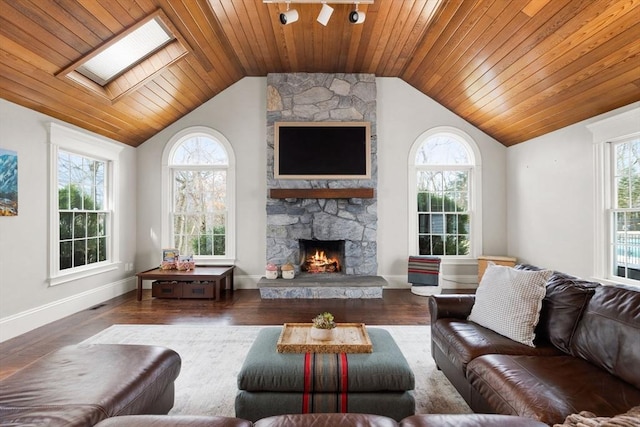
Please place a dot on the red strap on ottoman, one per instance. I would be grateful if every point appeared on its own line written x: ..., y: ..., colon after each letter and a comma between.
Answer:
x: 318, y: 370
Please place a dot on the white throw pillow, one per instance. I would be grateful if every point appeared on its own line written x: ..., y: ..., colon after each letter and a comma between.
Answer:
x: 508, y: 301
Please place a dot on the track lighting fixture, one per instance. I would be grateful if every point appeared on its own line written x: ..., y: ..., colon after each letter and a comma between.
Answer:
x: 289, y: 17
x: 321, y: 1
x: 357, y: 17
x: 325, y: 14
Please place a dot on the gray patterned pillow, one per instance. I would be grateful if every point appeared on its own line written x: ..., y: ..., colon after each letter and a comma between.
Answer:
x: 508, y: 301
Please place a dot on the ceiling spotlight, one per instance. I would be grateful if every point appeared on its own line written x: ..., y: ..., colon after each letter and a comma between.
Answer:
x: 288, y: 17
x: 356, y: 17
x: 325, y: 14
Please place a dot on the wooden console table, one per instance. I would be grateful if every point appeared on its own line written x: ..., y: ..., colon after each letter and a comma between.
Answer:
x: 218, y: 275
x: 484, y: 260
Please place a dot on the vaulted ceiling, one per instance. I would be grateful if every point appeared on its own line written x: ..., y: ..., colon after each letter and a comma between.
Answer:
x: 516, y: 69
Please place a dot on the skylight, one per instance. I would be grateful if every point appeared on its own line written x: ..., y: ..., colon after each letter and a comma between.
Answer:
x: 126, y: 52
x: 130, y: 59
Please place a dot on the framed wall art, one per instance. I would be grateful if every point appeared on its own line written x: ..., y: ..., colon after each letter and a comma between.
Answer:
x: 8, y: 183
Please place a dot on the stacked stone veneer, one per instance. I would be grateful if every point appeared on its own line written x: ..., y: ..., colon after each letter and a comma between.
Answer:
x: 322, y: 98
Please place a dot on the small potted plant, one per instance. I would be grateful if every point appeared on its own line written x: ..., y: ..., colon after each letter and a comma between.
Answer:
x: 323, y: 327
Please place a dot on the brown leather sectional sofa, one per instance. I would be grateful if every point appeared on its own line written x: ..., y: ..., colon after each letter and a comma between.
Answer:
x: 586, y: 357
x: 325, y: 420
x: 83, y: 385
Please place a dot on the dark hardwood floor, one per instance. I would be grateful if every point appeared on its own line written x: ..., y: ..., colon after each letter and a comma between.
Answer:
x: 242, y: 307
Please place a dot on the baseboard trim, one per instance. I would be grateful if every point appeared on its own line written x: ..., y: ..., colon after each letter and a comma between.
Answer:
x: 459, y: 281
x: 246, y: 281
x: 396, y: 281
x: 28, y: 320
x: 445, y: 282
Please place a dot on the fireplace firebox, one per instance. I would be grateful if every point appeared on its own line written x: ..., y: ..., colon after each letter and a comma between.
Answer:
x: 321, y: 256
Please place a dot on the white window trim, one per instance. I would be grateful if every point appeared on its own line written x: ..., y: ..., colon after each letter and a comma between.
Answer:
x: 475, y: 184
x: 612, y: 129
x: 67, y: 139
x: 230, y: 256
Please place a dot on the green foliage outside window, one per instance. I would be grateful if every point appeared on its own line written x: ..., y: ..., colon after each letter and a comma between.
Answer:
x: 444, y: 165
x: 443, y: 225
x: 210, y: 244
x: 82, y: 237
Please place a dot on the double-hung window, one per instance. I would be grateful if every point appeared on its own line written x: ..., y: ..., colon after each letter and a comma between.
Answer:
x: 200, y: 204
x: 616, y: 146
x: 625, y: 209
x: 443, y: 179
x: 82, y: 210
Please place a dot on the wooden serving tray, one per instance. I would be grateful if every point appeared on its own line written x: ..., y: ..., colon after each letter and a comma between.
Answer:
x: 348, y: 338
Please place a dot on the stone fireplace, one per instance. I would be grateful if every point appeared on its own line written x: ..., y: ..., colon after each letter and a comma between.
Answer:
x: 310, y: 215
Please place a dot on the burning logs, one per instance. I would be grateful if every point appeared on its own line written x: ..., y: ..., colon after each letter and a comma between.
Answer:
x: 320, y: 263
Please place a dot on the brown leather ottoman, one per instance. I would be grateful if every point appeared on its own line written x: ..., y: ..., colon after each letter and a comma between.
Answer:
x: 272, y: 383
x: 82, y: 385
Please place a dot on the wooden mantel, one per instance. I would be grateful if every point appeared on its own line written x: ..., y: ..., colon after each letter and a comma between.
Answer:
x: 321, y: 193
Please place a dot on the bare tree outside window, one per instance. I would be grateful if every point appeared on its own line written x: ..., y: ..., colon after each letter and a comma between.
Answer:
x: 199, y: 211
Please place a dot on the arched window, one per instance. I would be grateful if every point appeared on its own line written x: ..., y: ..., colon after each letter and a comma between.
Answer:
x: 444, y: 187
x: 199, y: 178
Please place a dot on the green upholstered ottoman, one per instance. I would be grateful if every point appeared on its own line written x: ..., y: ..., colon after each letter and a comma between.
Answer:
x: 272, y: 383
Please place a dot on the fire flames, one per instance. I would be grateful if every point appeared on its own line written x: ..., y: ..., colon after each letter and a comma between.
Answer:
x: 320, y: 263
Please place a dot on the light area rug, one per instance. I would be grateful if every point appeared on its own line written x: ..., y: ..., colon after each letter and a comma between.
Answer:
x: 212, y: 357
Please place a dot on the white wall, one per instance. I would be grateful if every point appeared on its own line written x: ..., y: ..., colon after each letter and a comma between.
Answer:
x: 403, y: 115
x: 26, y: 299
x: 239, y: 113
x: 551, y: 199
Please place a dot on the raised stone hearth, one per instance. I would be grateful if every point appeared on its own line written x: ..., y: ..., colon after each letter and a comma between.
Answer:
x: 316, y: 286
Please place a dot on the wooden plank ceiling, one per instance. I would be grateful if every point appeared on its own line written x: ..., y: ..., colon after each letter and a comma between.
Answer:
x: 516, y: 69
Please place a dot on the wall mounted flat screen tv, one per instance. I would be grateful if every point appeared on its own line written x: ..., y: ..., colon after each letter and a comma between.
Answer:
x: 322, y: 150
